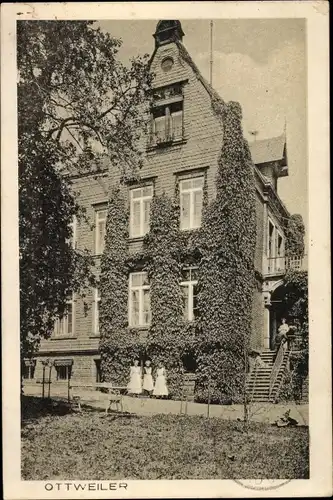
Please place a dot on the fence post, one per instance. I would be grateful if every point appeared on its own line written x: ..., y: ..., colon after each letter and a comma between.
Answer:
x: 43, y: 386
x: 49, y: 384
x: 208, y: 402
x: 68, y: 389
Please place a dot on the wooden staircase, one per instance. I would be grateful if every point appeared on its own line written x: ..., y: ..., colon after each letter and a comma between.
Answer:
x: 264, y: 382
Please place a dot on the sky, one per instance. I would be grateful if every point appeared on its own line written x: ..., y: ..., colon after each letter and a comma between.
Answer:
x: 261, y: 63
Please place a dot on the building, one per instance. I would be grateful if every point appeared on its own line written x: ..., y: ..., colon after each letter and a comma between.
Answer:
x: 183, y: 147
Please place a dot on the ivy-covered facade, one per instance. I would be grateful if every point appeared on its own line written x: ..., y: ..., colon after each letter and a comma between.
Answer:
x: 190, y: 252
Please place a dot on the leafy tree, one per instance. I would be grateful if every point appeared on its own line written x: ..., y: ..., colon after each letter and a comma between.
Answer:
x: 79, y: 109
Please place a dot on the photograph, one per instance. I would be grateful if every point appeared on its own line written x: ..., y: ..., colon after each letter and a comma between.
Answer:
x: 163, y: 206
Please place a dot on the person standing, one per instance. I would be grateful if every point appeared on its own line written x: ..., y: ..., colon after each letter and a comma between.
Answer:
x: 148, y: 384
x: 135, y: 384
x: 160, y: 388
x: 282, y: 334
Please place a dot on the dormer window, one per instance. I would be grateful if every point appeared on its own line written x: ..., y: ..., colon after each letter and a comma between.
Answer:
x: 166, y: 124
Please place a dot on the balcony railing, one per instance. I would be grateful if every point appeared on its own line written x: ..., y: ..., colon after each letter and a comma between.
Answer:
x: 280, y: 265
x: 162, y: 138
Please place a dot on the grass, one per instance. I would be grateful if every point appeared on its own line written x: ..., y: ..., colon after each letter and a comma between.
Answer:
x: 58, y: 444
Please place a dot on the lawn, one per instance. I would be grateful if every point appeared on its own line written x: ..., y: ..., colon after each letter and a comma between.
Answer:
x: 71, y: 446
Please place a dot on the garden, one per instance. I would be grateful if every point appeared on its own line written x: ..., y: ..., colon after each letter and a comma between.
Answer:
x: 59, y: 444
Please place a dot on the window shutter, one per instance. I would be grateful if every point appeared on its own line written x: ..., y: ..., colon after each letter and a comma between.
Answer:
x: 185, y: 210
x: 160, y: 128
x: 101, y: 235
x: 185, y: 294
x: 197, y: 208
x: 70, y: 319
x: 177, y: 125
x: 151, y: 130
x: 146, y: 307
x: 136, y: 207
x: 195, y: 301
x: 135, y: 307
x: 146, y: 215
x: 168, y: 124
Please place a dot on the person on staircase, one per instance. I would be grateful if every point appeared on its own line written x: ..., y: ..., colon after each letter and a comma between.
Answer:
x: 282, y: 336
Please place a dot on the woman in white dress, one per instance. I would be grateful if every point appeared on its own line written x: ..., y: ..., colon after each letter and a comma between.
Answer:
x: 160, y: 388
x: 135, y: 384
x: 148, y: 384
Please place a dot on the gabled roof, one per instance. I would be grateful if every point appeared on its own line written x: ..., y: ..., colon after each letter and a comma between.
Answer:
x: 269, y: 150
x: 211, y: 91
x: 262, y: 151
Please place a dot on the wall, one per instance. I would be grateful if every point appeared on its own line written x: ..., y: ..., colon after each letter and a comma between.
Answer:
x: 90, y: 192
x: 202, y: 130
x: 83, y: 368
x: 201, y: 149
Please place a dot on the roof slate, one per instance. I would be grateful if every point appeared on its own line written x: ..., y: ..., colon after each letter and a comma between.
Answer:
x: 268, y: 150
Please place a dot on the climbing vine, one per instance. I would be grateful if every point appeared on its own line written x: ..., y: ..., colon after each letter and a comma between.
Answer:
x: 223, y: 251
x: 119, y: 344
x: 295, y: 231
x: 226, y: 273
x: 296, y: 298
x: 165, y: 337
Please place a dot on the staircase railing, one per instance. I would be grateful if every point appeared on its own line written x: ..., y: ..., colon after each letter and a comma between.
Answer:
x: 277, y: 392
x: 276, y: 368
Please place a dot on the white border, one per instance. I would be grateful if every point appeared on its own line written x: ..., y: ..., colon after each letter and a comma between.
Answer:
x: 316, y: 14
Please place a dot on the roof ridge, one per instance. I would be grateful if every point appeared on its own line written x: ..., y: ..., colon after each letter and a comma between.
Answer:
x: 270, y: 138
x: 186, y: 56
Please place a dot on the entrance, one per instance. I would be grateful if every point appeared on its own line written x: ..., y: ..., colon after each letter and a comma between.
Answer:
x: 278, y: 310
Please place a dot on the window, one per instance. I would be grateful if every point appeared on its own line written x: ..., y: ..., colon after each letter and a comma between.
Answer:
x: 139, y: 300
x: 279, y: 251
x: 63, y: 368
x: 275, y: 249
x: 270, y: 239
x: 167, y: 64
x: 166, y: 123
x: 29, y: 368
x: 140, y: 200
x: 189, y: 287
x: 191, y: 194
x: 98, y: 372
x: 96, y: 311
x: 100, y: 221
x: 65, y: 326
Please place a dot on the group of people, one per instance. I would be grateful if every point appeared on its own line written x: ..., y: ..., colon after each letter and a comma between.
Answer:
x: 141, y: 380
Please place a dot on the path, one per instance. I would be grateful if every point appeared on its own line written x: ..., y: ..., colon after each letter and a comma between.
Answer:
x: 259, y: 412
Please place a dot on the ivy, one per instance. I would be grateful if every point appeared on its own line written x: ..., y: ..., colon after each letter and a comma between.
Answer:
x: 296, y: 298
x: 295, y: 231
x: 166, y: 338
x: 226, y: 272
x: 223, y: 251
x: 119, y: 344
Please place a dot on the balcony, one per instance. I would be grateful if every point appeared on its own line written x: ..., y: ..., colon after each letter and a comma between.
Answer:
x: 280, y: 265
x: 160, y: 139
